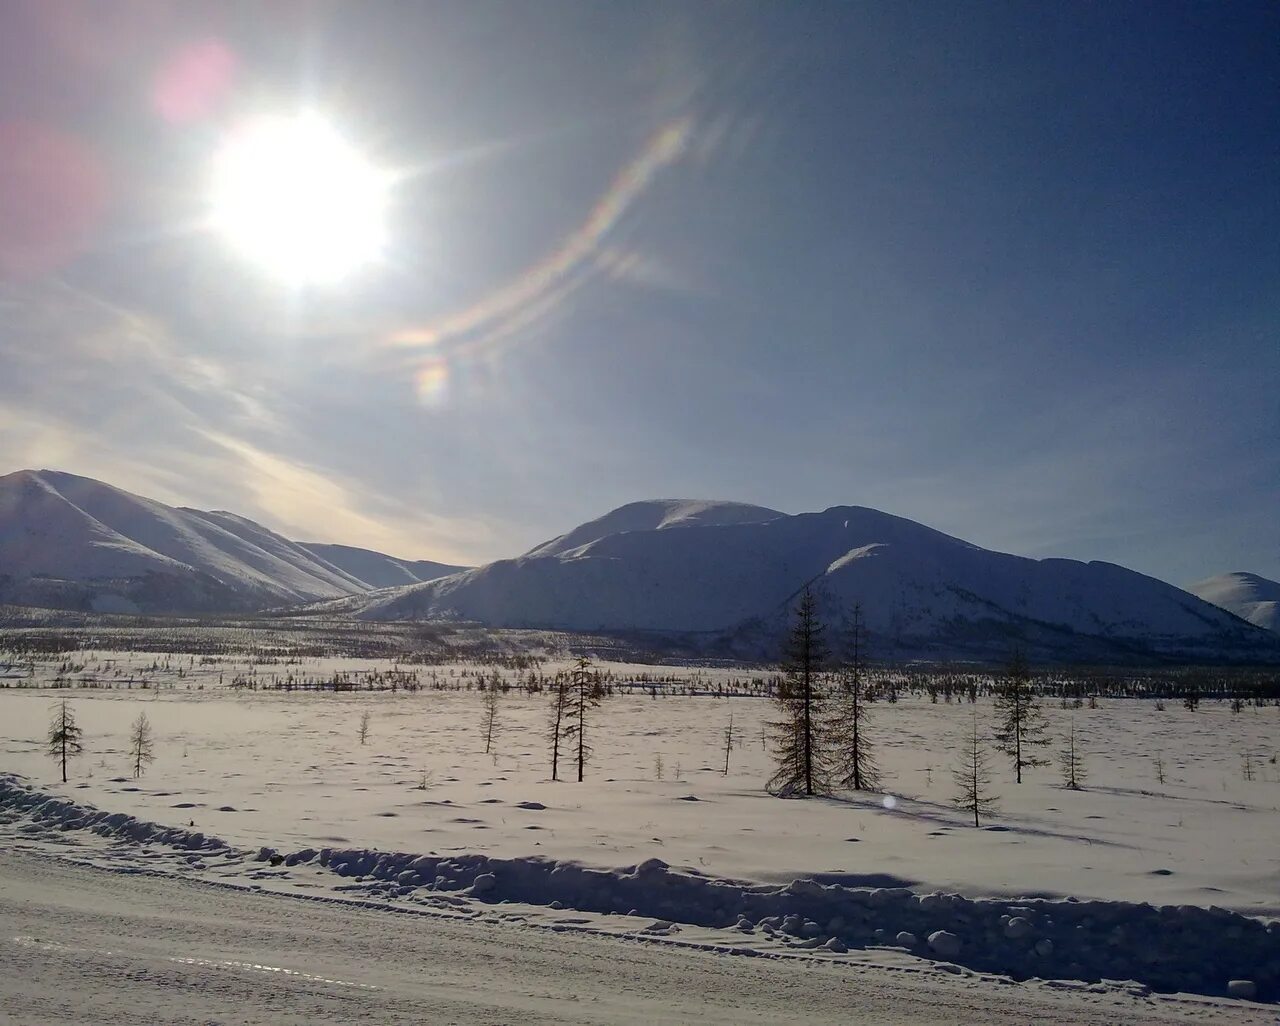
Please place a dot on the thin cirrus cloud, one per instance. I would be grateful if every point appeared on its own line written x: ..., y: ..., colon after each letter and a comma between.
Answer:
x: 314, y: 505
x: 95, y: 388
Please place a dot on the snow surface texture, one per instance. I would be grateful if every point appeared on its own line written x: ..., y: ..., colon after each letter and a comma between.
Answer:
x: 720, y: 568
x: 1249, y: 596
x: 72, y: 542
x: 289, y: 766
x: 97, y: 931
x: 1171, y: 949
x: 421, y: 813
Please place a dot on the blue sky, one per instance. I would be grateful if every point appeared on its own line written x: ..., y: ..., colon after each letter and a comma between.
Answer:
x: 1011, y: 270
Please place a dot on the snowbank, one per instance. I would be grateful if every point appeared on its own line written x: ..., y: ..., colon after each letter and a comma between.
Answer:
x: 1167, y: 948
x: 18, y: 800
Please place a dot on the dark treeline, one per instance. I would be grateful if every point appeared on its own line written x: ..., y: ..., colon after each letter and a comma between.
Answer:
x: 277, y: 647
x: 91, y: 669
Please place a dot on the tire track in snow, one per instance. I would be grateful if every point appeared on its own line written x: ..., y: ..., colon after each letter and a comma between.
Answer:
x: 203, y: 963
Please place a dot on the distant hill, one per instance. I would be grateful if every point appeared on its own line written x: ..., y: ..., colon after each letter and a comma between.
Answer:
x: 730, y: 571
x: 1249, y: 596
x: 378, y: 570
x: 75, y: 543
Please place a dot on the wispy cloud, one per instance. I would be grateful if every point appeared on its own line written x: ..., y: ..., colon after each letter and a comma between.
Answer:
x: 311, y: 504
x: 98, y: 389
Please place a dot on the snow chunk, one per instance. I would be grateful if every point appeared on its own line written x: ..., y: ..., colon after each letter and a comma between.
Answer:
x: 947, y: 945
x: 1017, y: 928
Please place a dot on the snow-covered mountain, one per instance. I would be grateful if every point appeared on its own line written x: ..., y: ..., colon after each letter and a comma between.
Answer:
x: 377, y: 569
x: 1249, y: 596
x: 656, y: 515
x: 721, y: 571
x: 73, y: 542
x: 731, y: 571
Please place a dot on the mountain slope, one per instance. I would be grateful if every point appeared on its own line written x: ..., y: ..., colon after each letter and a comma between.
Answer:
x: 378, y: 570
x: 923, y: 592
x: 1249, y: 596
x: 73, y: 542
x: 656, y: 515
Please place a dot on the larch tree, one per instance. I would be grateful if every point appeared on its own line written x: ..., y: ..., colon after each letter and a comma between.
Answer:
x: 1071, y: 759
x: 801, y: 764
x: 1022, y: 726
x: 854, y: 762
x: 489, y: 719
x: 560, y: 699
x: 729, y: 738
x: 583, y: 695
x: 64, y: 740
x: 972, y: 776
x: 142, y: 744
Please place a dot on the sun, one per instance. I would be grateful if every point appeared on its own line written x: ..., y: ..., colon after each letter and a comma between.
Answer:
x: 296, y: 198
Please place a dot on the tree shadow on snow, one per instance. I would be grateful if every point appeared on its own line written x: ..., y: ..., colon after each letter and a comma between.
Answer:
x: 945, y: 815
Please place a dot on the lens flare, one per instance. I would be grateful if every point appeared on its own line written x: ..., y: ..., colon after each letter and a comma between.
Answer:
x: 432, y: 382
x: 193, y: 81
x: 53, y: 190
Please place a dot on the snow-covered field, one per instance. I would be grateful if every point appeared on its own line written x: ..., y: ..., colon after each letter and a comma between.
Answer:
x: 287, y: 771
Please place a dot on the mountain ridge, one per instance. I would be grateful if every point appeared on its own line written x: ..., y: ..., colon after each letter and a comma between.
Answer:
x: 377, y: 569
x: 68, y: 541
x: 1250, y: 596
x: 655, y: 515
x: 925, y: 593
x: 725, y: 572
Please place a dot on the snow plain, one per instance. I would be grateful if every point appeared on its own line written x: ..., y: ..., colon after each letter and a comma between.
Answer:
x: 267, y: 771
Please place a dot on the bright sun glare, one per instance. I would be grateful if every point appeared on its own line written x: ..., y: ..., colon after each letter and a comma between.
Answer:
x: 295, y: 197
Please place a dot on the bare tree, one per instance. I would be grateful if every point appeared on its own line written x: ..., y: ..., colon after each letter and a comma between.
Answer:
x: 799, y: 755
x: 729, y: 737
x: 1072, y: 760
x: 363, y: 732
x: 1022, y: 726
x: 64, y: 740
x: 141, y: 744
x: 489, y: 722
x: 973, y: 777
x: 855, y: 765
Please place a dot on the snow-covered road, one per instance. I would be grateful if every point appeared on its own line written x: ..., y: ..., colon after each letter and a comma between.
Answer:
x: 82, y: 944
